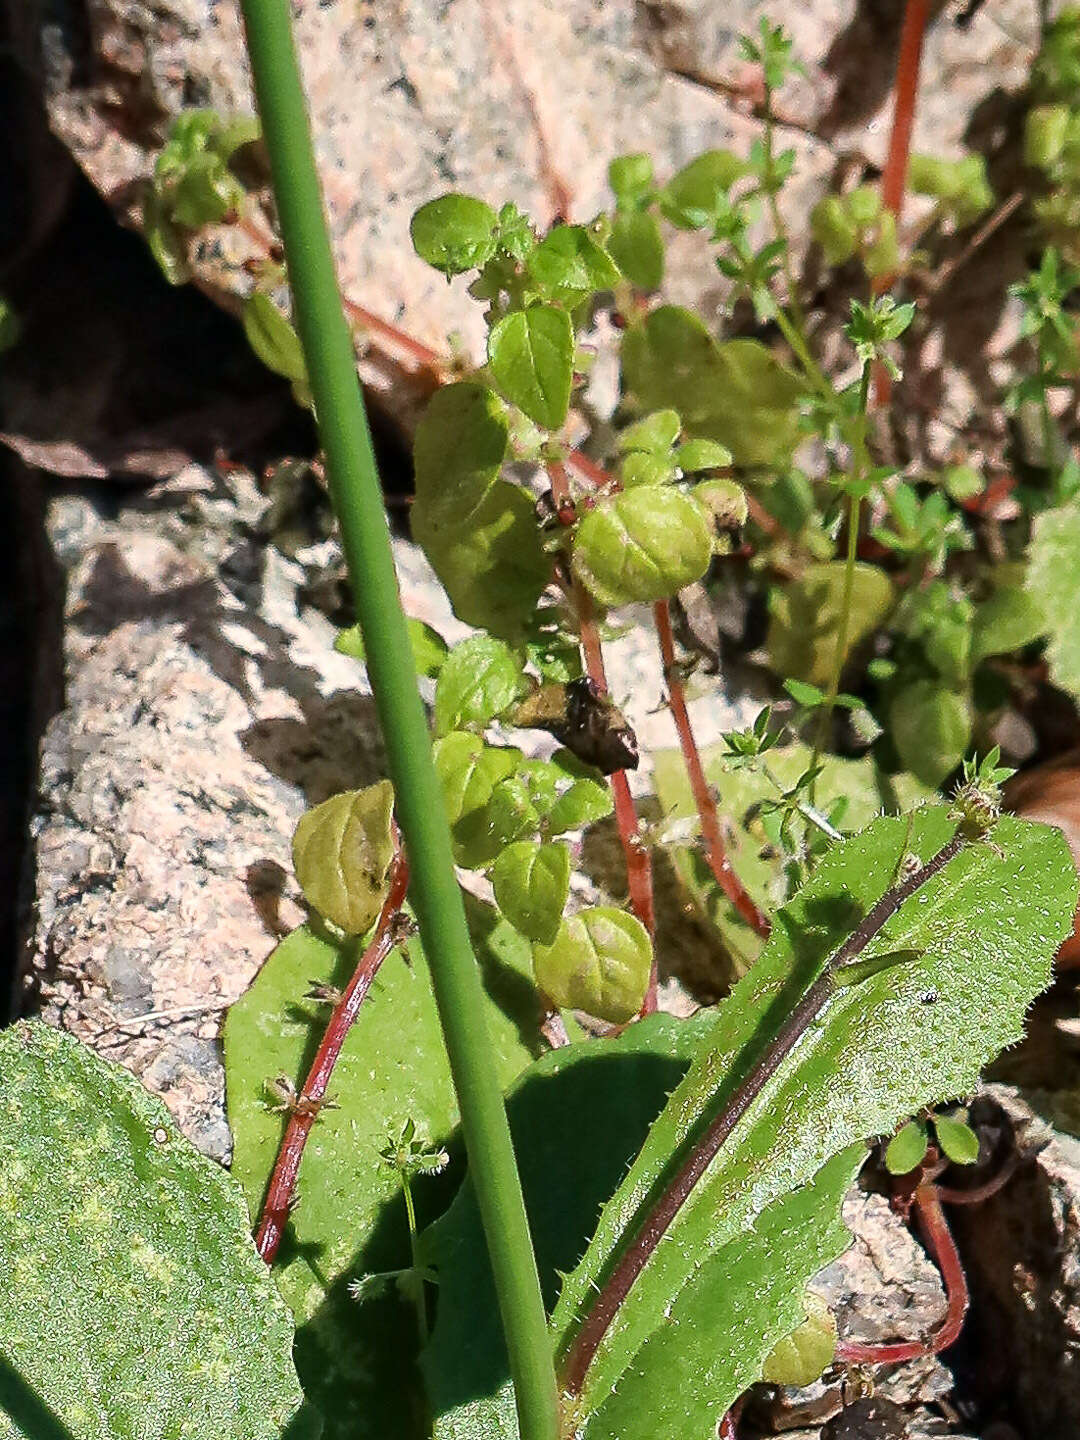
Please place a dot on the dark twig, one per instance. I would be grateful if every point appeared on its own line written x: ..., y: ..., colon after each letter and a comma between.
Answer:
x: 659, y: 1217
x: 312, y: 1098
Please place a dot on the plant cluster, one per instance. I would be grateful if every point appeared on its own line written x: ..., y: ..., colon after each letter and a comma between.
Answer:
x: 876, y: 962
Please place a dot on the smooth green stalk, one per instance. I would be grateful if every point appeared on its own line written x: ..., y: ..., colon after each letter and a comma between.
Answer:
x: 780, y: 229
x: 854, y: 512
x: 434, y: 891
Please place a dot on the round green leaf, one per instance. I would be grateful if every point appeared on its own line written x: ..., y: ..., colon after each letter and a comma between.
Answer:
x: 834, y: 229
x: 469, y: 770
x: 429, y: 649
x: 655, y: 434
x: 697, y: 455
x: 907, y: 1148
x: 641, y: 545
x: 804, y: 618
x: 691, y: 198
x: 531, y: 354
x: 583, y: 803
x: 479, y: 679
x: 640, y: 468
x: 957, y: 1139
x: 454, y: 233
x: 341, y: 852
x: 801, y: 1357
x: 630, y: 175
x: 531, y: 884
x: 930, y: 725
x: 568, y: 264
x: 637, y: 247
x: 599, y: 962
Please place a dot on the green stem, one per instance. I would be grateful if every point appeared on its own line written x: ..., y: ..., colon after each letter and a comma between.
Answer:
x: 780, y: 229
x: 435, y: 894
x: 858, y: 467
x: 417, y: 1264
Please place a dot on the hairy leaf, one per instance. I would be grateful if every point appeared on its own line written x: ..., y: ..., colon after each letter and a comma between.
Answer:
x: 133, y: 1302
x: 804, y: 618
x: 735, y: 393
x: 531, y: 884
x: 1053, y: 580
x: 479, y: 679
x: 356, y: 1358
x: 598, y: 962
x: 531, y: 354
x: 643, y: 544
x: 908, y: 1035
x: 341, y: 853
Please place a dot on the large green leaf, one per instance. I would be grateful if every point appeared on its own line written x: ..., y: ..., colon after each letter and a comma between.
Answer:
x: 851, y: 792
x: 357, y: 1358
x: 804, y: 618
x: 984, y: 932
x: 132, y: 1303
x: 930, y: 725
x: 1053, y: 580
x: 578, y: 1116
x: 735, y: 393
x: 460, y: 447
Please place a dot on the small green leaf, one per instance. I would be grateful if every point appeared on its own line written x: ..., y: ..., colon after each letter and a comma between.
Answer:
x: 568, y: 264
x: 10, y: 325
x: 907, y: 1148
x: 531, y: 884
x: 599, y: 962
x: 655, y: 434
x: 479, y: 679
x: 800, y: 1357
x: 341, y: 853
x: 643, y: 544
x: 531, y: 354
x: 640, y: 468
x: 637, y: 247
x: 204, y: 192
x: 723, y: 503
x: 803, y: 694
x: 698, y: 455
x: 1007, y: 620
x: 454, y: 233
x: 930, y: 725
x: 469, y: 770
x: 429, y: 649
x: 834, y: 229
x: 804, y: 618
x: 692, y: 198
x: 584, y: 802
x: 957, y: 1139
x: 273, y: 339
x: 134, y: 1303
x: 630, y: 176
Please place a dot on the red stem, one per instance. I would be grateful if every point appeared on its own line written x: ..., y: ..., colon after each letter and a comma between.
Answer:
x: 894, y: 176
x: 704, y: 799
x: 306, y: 1108
x: 942, y: 1249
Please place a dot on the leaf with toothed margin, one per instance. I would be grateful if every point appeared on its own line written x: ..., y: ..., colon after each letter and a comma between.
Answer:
x: 132, y: 1302
x: 727, y: 1282
x: 357, y: 1358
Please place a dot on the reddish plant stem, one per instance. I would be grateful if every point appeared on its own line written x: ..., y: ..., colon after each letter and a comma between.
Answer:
x: 894, y: 176
x: 715, y: 850
x: 942, y: 1249
x: 704, y: 1149
x: 305, y: 1109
